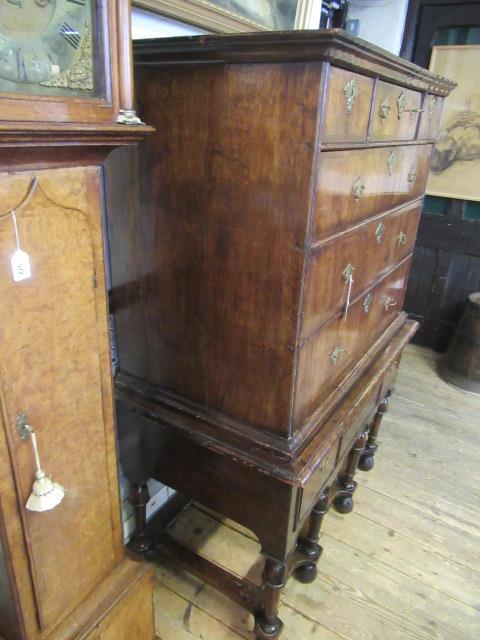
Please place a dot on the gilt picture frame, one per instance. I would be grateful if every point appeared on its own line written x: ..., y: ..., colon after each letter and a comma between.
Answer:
x: 236, y: 16
x: 455, y: 168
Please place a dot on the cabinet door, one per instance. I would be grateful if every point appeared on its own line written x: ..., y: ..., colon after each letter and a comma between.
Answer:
x: 55, y: 368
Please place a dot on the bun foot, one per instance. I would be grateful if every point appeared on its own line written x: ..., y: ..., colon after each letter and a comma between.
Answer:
x: 366, y: 462
x: 343, y: 503
x: 306, y: 573
x: 264, y: 630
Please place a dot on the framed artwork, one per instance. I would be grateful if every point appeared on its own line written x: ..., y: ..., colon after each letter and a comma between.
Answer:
x: 238, y: 15
x: 455, y: 168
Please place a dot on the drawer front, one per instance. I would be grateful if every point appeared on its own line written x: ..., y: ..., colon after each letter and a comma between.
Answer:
x: 353, y: 185
x: 430, y: 118
x: 395, y: 114
x: 317, y: 481
x: 329, y: 355
x: 366, y: 253
x: 347, y: 107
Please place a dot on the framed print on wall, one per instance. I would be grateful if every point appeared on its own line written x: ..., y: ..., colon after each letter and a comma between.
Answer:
x: 238, y: 15
x: 455, y: 168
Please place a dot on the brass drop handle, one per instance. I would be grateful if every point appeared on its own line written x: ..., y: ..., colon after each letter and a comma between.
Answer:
x: 358, y: 189
x: 367, y: 302
x: 391, y: 161
x: 401, y: 239
x: 379, y: 232
x: 401, y: 108
x: 389, y: 302
x: 337, y: 353
x: 412, y: 176
x: 350, y: 91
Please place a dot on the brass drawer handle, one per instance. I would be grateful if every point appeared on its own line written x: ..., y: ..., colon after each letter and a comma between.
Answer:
x: 350, y: 91
x: 391, y: 162
x: 389, y: 302
x: 324, y: 463
x: 348, y: 272
x: 367, y: 302
x: 384, y: 109
x: 358, y: 189
x: 401, y: 108
x: 379, y: 231
x: 401, y: 239
x: 432, y: 106
x: 412, y: 176
x: 337, y: 353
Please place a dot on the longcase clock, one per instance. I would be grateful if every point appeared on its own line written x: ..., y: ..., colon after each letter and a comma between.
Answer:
x: 65, y: 102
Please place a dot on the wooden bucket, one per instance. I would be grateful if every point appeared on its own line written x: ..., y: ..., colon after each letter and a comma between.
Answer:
x: 461, y: 364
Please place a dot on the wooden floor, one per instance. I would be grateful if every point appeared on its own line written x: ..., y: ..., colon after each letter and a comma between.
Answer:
x: 405, y: 564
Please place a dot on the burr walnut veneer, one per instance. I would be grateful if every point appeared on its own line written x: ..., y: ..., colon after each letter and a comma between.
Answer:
x: 258, y: 286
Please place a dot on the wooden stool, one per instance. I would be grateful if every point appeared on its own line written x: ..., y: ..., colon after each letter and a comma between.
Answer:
x: 461, y: 363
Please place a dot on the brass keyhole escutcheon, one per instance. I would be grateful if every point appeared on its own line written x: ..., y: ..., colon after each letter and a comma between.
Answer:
x: 384, y: 110
x: 337, y: 353
x: 348, y: 272
x: 358, y: 189
x: 412, y: 176
x: 432, y: 106
x: 401, y: 238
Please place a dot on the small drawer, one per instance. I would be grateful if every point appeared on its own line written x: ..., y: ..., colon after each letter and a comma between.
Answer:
x: 347, y: 107
x: 317, y: 481
x: 354, y: 185
x: 395, y: 114
x: 430, y: 119
x: 327, y: 356
x: 365, y: 254
x: 362, y: 416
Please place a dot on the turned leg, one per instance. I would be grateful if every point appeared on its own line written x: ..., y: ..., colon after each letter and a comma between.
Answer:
x: 366, y: 461
x: 308, y: 544
x: 343, y: 502
x: 138, y: 498
x: 268, y: 625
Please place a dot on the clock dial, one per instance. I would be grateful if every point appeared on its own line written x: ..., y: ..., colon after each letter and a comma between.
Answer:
x: 46, y: 46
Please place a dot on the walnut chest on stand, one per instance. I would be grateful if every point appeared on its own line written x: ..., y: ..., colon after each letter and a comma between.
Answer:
x: 258, y: 286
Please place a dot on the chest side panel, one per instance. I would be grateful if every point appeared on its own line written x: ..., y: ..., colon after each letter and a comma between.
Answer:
x: 224, y: 199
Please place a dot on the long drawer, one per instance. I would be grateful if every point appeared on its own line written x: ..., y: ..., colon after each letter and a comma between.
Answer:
x: 395, y: 114
x: 364, y: 254
x: 353, y: 185
x: 327, y: 356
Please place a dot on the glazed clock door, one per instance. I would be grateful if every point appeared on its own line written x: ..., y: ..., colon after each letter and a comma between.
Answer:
x: 55, y: 369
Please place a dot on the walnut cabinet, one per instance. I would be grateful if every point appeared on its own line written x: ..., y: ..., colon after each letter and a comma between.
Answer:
x: 258, y: 285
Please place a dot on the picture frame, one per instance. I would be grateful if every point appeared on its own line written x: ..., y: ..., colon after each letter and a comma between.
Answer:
x: 455, y: 164
x: 233, y: 16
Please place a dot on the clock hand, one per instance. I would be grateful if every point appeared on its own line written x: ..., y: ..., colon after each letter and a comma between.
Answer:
x: 19, y: 3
